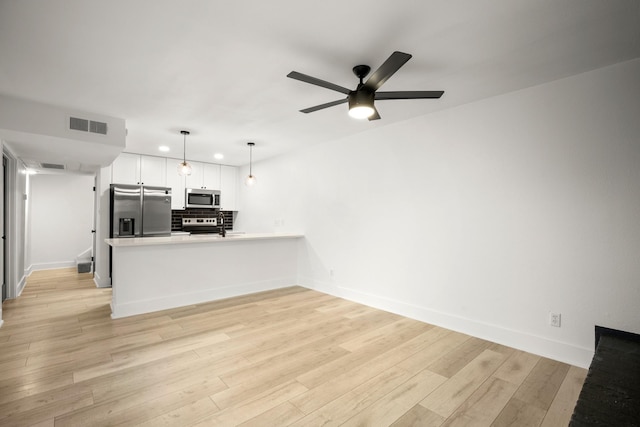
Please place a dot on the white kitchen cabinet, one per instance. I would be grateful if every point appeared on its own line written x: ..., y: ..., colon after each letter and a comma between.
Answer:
x: 195, y: 179
x: 211, y: 176
x: 153, y: 171
x: 138, y: 169
x: 204, y: 175
x: 228, y: 188
x: 177, y: 184
x: 125, y: 169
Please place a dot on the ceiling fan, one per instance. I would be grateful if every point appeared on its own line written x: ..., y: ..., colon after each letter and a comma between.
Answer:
x: 361, y: 99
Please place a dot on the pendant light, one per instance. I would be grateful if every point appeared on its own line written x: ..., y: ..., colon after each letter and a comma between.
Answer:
x: 251, y: 179
x: 184, y: 168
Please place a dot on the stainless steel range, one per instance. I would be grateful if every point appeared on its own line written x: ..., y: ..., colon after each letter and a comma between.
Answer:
x: 200, y: 225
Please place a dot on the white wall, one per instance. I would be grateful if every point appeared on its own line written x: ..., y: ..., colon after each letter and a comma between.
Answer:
x: 101, y: 277
x: 482, y: 218
x: 61, y: 219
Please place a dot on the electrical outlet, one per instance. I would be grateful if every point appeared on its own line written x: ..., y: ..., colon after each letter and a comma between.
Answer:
x: 555, y: 319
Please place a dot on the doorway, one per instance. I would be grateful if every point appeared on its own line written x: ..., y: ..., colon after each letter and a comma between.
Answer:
x: 3, y: 258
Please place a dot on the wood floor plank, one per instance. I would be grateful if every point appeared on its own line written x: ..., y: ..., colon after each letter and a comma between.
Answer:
x: 256, y: 379
x: 402, y: 328
x: 281, y: 415
x: 395, y: 404
x: 541, y: 385
x: 439, y: 349
x: 136, y: 408
x: 484, y: 405
x: 419, y: 416
x: 561, y: 408
x: 255, y: 406
x: 14, y: 390
x: 342, y: 407
x: 458, y: 388
x: 150, y: 353
x: 325, y: 384
x: 291, y: 356
x: 183, y: 416
x: 519, y: 413
x: 42, y: 410
x: 517, y: 367
x: 453, y: 361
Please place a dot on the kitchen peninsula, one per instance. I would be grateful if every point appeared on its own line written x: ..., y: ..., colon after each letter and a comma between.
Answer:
x: 157, y: 273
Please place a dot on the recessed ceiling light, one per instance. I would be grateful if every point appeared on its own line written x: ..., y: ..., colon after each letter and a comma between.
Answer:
x: 163, y: 148
x: 218, y: 156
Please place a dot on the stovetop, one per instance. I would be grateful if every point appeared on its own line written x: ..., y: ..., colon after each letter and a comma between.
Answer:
x: 200, y: 225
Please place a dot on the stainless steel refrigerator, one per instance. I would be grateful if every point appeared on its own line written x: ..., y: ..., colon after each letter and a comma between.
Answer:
x: 140, y: 211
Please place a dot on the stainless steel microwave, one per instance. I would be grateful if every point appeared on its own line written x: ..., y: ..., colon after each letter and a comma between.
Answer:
x: 202, y: 198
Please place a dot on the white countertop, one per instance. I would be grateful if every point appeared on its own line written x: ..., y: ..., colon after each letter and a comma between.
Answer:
x: 197, y: 238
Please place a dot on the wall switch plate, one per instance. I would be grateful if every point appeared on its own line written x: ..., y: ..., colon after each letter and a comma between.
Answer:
x: 555, y: 319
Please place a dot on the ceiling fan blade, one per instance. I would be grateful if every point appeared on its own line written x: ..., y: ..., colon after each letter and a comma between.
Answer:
x: 323, y: 106
x: 411, y: 94
x: 387, y: 69
x: 375, y: 115
x: 314, y: 81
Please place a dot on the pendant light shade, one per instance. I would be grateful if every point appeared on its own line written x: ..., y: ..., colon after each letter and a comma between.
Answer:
x: 251, y: 179
x: 184, y: 168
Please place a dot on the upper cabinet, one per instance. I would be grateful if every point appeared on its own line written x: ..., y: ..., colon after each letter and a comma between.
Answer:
x: 153, y: 171
x: 125, y: 169
x: 228, y: 188
x: 137, y: 169
x: 204, y: 175
x: 177, y: 184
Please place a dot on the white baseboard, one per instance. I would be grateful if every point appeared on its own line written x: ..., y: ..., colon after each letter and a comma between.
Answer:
x: 51, y: 265
x: 541, y: 346
x: 181, y: 300
x: 22, y: 283
x: 100, y: 282
x: 1, y: 321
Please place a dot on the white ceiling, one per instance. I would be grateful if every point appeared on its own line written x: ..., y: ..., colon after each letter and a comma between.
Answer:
x: 218, y: 68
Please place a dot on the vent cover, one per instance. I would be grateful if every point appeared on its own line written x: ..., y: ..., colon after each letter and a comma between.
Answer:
x: 98, y: 127
x: 84, y: 125
x: 51, y: 166
x: 78, y: 124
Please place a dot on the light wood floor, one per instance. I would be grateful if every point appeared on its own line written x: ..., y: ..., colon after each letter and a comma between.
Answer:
x: 287, y: 357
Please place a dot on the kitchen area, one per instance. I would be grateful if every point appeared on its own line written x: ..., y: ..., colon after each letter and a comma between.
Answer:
x: 174, y: 245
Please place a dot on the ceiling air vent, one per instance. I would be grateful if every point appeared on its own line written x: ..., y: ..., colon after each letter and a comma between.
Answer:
x: 51, y: 166
x: 78, y: 124
x: 98, y: 127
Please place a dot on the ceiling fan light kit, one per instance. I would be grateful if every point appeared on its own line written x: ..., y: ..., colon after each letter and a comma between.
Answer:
x: 361, y: 100
x: 361, y: 104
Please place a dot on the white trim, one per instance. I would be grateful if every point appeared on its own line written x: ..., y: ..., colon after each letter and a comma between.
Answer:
x: 563, y: 352
x: 20, y: 286
x: 52, y: 265
x: 100, y: 282
x: 200, y: 297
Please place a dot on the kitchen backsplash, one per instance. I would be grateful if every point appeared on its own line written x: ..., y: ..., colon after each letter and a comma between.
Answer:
x: 177, y: 215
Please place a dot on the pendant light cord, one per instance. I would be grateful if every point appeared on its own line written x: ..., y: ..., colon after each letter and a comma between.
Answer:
x: 184, y: 148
